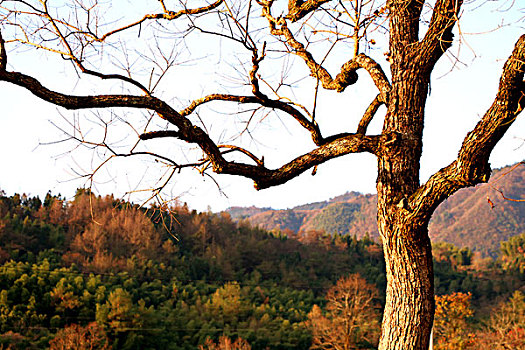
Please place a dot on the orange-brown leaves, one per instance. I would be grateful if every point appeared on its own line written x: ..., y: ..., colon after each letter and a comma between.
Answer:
x: 77, y: 337
x: 506, y: 327
x: 109, y: 235
x: 352, y: 316
x: 225, y: 343
x: 450, y: 321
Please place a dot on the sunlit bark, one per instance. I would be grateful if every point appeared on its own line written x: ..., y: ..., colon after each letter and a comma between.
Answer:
x: 404, y: 205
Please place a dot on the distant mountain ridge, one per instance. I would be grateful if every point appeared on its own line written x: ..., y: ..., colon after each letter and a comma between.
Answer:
x: 479, y: 217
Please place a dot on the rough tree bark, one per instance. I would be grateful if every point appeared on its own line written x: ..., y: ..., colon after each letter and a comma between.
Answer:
x: 404, y: 205
x: 405, y: 208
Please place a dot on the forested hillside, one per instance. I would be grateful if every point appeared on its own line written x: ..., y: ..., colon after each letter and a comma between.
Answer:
x: 478, y: 218
x: 104, y: 273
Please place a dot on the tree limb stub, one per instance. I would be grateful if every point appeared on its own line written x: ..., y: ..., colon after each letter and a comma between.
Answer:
x: 159, y: 134
x: 471, y: 166
x: 297, y: 9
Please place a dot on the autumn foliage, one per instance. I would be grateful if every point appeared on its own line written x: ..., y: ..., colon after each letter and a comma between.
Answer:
x: 351, y: 320
x: 505, y: 328
x: 450, y: 322
x: 200, y: 279
x: 225, y: 343
x: 75, y: 337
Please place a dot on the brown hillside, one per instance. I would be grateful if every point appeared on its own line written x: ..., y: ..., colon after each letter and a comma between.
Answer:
x: 478, y: 217
x: 481, y: 217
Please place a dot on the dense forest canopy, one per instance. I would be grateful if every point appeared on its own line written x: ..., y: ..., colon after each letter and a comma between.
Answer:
x: 187, y: 279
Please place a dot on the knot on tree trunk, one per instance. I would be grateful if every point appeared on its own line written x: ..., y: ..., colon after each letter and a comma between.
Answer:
x: 480, y: 173
x: 474, y: 173
x: 346, y: 78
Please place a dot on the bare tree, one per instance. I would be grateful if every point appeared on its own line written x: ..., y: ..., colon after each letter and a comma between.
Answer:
x: 138, y: 55
x: 352, y: 316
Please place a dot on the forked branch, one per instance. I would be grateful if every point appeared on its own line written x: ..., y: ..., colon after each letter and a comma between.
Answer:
x: 264, y: 101
x: 471, y: 166
x: 166, y: 15
x: 347, y: 75
x: 439, y: 37
x: 404, y: 16
x: 262, y: 176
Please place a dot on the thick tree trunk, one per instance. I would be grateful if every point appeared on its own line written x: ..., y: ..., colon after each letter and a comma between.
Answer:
x: 405, y: 207
x: 409, y: 309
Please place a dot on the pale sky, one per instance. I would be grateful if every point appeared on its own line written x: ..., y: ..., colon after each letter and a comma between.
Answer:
x: 460, y: 94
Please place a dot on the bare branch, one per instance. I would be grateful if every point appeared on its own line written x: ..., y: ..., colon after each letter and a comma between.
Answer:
x: 347, y: 75
x: 167, y: 15
x: 256, y: 60
x: 508, y: 198
x: 82, y: 102
x: 111, y: 76
x: 471, y: 166
x: 297, y: 9
x: 231, y: 148
x: 262, y: 100
x: 369, y: 114
x: 492, y: 184
x: 439, y: 36
x: 503, y: 194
